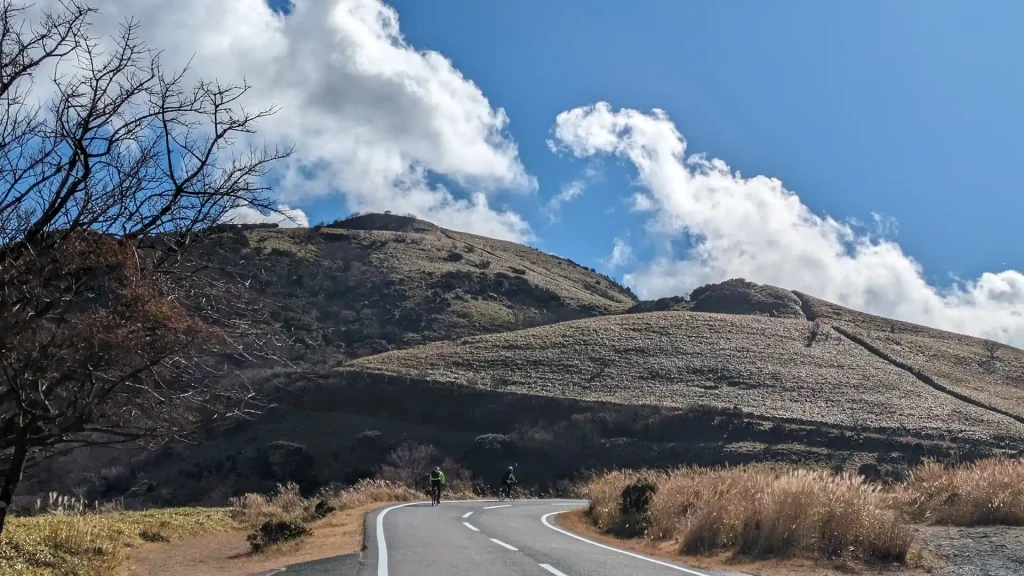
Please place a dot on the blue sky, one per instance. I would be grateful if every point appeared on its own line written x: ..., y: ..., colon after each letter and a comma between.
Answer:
x: 865, y: 152
x: 908, y: 109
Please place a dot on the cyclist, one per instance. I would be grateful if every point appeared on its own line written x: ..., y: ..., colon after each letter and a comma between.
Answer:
x: 508, y: 481
x: 437, y: 480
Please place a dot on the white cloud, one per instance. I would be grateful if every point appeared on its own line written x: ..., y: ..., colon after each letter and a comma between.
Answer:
x: 572, y: 190
x: 757, y: 229
x: 288, y: 217
x: 621, y: 255
x: 569, y: 192
x: 370, y: 115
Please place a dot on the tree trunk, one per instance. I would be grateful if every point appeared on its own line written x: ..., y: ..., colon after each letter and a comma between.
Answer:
x: 12, y: 476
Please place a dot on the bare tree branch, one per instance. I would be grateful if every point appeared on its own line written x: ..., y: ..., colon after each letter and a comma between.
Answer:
x: 110, y: 330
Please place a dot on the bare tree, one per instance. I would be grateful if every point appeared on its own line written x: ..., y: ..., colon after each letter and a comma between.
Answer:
x: 992, y: 348
x: 105, y: 315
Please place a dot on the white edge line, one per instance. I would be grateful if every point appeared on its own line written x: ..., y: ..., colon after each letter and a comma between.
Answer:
x: 551, y: 569
x: 544, y: 519
x: 471, y: 527
x: 501, y: 506
x: 382, y: 545
x: 500, y: 543
x: 467, y: 514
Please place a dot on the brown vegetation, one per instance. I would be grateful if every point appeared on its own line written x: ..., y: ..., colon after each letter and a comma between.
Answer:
x: 760, y: 365
x: 960, y: 363
x: 377, y: 282
x: 755, y: 512
x: 983, y: 493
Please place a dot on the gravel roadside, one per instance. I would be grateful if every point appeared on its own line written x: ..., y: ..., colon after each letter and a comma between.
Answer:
x: 989, y: 551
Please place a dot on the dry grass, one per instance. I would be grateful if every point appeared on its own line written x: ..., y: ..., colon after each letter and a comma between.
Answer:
x: 988, y: 492
x: 761, y: 512
x: 959, y: 362
x: 287, y: 508
x: 758, y: 364
x: 68, y: 543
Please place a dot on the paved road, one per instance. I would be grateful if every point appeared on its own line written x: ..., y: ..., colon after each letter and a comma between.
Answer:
x: 485, y: 538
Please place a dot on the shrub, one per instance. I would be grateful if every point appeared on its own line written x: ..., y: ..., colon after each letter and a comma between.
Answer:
x: 817, y: 330
x: 408, y: 464
x: 284, y: 505
x: 635, y: 506
x: 760, y: 510
x: 275, y: 532
x: 987, y: 492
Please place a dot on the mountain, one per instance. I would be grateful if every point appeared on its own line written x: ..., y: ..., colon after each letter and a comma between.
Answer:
x: 375, y: 282
x: 487, y: 352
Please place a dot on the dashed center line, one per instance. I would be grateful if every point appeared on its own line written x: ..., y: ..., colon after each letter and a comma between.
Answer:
x: 467, y: 514
x: 471, y: 527
x: 551, y: 569
x: 500, y: 506
x: 500, y: 543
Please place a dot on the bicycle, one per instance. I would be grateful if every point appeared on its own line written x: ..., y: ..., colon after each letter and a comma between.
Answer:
x: 435, y: 496
x: 507, y: 492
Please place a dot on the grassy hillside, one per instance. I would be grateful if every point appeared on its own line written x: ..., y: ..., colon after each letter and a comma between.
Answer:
x: 492, y: 352
x: 761, y: 365
x: 989, y: 374
x: 376, y: 282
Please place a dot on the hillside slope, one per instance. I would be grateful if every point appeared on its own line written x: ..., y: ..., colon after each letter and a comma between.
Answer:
x: 764, y: 366
x: 991, y: 377
x: 379, y: 281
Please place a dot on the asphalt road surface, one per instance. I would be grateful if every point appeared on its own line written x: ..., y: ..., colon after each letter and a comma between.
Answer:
x: 485, y: 538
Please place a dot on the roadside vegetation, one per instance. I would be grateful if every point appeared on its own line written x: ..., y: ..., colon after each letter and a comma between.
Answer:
x: 67, y: 538
x: 984, y: 493
x: 761, y: 511
x: 285, y: 515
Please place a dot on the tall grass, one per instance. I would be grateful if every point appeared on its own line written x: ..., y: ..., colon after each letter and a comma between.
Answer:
x: 759, y: 511
x: 986, y: 492
x: 67, y: 538
x: 287, y: 504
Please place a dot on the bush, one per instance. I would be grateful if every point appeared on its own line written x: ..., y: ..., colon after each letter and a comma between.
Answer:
x: 987, y: 492
x: 275, y: 532
x: 760, y: 511
x: 817, y: 330
x: 635, y: 506
x: 408, y: 464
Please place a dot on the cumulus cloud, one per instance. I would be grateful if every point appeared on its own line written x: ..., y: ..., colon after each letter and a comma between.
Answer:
x: 753, y: 227
x: 371, y: 116
x: 287, y: 218
x: 621, y: 255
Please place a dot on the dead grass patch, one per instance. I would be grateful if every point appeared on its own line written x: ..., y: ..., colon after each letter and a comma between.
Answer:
x: 96, y: 544
x: 759, y: 512
x: 986, y: 492
x: 577, y: 521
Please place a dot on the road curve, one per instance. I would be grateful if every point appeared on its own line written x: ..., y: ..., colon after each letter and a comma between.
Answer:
x: 487, y: 538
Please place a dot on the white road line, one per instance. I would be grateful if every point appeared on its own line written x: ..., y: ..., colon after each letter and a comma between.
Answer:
x: 500, y: 543
x: 382, y: 545
x: 544, y: 519
x: 551, y: 569
x: 467, y: 514
x: 471, y: 527
x: 501, y: 506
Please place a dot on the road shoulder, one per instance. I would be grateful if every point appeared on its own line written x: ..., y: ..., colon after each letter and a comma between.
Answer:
x: 337, y: 539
